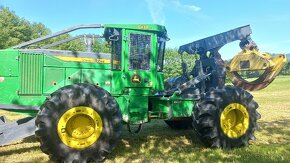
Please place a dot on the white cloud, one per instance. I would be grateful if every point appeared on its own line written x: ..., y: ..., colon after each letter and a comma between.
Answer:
x: 155, y: 8
x: 191, y: 8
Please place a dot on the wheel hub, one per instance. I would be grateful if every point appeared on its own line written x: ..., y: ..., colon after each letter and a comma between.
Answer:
x: 234, y: 120
x: 79, y: 127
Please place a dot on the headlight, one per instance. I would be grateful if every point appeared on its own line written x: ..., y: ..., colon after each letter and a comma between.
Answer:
x: 2, y: 79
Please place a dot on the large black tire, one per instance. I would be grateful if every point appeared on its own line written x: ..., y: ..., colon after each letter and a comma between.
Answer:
x: 210, y: 122
x: 179, y: 124
x: 72, y: 96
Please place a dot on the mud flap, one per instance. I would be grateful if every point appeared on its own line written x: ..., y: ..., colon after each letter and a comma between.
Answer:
x: 16, y: 130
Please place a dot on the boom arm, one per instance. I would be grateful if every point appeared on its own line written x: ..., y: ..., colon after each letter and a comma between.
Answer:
x: 212, y: 64
x: 214, y: 43
x: 25, y: 44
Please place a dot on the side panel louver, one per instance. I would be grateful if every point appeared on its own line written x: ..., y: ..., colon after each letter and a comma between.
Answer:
x: 31, y: 66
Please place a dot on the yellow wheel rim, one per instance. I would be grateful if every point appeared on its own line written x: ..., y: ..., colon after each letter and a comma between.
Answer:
x: 79, y: 127
x: 234, y: 120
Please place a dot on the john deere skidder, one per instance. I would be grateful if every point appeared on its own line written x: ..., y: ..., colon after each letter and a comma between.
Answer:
x: 78, y: 101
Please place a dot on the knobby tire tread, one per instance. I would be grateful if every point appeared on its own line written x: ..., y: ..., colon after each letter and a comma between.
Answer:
x: 72, y: 96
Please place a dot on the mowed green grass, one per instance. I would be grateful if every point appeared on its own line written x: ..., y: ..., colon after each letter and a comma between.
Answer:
x: 159, y: 143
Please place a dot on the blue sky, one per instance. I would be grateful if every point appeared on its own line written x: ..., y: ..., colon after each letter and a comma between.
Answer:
x: 185, y: 20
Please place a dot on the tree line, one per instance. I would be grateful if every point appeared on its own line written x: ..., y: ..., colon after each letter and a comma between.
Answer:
x: 15, y: 30
x: 286, y: 68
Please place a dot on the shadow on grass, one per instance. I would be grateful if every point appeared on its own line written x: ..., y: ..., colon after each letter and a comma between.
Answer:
x: 277, y: 126
x: 155, y: 140
x: 19, y: 150
x: 30, y: 139
x: 278, y: 130
x: 159, y: 143
x: 19, y: 147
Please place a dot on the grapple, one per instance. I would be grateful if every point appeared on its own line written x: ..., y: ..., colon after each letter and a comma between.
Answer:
x: 250, y: 59
x: 253, y: 60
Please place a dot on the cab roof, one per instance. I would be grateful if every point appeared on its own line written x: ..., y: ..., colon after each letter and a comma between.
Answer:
x: 145, y: 27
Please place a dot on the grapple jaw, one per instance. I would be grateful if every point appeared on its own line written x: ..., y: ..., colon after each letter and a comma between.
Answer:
x: 253, y: 60
x: 250, y: 59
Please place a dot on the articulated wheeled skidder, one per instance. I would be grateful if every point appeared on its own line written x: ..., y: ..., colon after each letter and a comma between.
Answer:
x: 78, y: 101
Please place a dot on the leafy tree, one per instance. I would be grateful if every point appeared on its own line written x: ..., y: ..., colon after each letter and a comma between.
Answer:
x: 286, y: 68
x: 172, y: 62
x: 74, y: 45
x: 15, y: 30
x: 100, y: 45
x: 39, y: 30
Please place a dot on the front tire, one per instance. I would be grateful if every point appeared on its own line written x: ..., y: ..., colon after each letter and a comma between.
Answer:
x: 79, y: 122
x: 226, y: 118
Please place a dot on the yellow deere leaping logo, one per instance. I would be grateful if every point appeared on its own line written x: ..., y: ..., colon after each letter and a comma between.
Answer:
x: 136, y: 79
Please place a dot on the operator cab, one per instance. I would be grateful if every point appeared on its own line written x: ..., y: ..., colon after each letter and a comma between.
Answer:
x: 137, y: 56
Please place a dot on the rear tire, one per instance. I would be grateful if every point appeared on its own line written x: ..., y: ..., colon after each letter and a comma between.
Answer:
x: 226, y: 118
x: 79, y: 122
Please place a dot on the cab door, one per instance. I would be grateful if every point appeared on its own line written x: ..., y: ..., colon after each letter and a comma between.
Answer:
x: 140, y: 71
x: 141, y: 67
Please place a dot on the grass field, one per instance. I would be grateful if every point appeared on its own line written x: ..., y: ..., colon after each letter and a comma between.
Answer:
x: 158, y: 143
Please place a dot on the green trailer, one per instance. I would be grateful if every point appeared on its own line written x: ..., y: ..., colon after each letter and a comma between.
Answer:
x: 77, y: 102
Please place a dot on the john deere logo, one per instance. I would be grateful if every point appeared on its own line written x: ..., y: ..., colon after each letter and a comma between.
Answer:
x: 136, y: 79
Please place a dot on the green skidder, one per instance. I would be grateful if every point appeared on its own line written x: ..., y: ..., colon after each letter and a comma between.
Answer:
x: 77, y: 102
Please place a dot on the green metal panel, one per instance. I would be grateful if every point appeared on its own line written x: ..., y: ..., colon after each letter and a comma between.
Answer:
x: 101, y: 78
x: 31, y: 100
x: 181, y: 107
x: 53, y: 79
x: 117, y: 83
x: 9, y: 94
x: 139, y: 91
x: 159, y: 107
x: 9, y: 90
x: 123, y: 102
x: 159, y: 84
x: 9, y: 62
x: 72, y: 76
x: 52, y: 61
x: 138, y: 109
x: 138, y: 104
x: 31, y: 65
x: 172, y: 107
x: 9, y: 73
